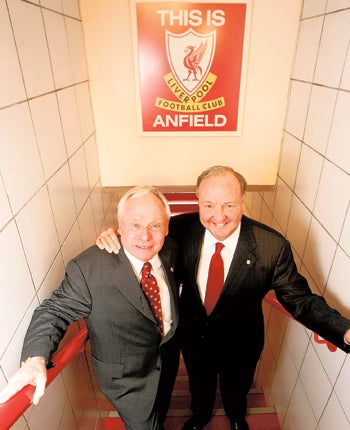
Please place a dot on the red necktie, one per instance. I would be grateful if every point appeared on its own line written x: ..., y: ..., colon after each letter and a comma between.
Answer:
x: 215, y: 280
x: 151, y: 289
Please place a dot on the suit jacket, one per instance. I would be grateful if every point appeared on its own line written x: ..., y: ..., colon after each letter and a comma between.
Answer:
x: 263, y: 261
x: 128, y: 351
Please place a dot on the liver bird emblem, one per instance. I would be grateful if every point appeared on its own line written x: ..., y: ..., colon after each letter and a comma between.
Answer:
x: 190, y: 56
x: 193, y: 59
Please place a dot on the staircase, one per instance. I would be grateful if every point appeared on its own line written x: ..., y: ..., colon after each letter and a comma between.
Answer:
x: 260, y: 416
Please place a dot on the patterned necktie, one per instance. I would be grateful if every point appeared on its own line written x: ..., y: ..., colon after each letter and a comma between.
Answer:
x: 215, y: 280
x: 151, y: 289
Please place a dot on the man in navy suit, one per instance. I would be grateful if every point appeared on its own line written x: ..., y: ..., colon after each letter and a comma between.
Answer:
x: 135, y: 356
x: 227, y: 341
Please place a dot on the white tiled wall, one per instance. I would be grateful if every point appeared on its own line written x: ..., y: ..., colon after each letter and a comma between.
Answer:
x: 51, y: 200
x: 308, y: 384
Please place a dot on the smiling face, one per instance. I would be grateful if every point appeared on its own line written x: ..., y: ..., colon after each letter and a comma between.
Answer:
x: 221, y: 204
x: 143, y: 225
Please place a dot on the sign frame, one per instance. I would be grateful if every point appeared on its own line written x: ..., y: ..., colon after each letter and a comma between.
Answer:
x: 181, y: 105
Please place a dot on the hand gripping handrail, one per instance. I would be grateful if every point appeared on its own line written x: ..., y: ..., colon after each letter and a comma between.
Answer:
x: 72, y: 344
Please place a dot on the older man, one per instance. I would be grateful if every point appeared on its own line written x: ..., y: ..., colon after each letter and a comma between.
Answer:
x: 133, y: 340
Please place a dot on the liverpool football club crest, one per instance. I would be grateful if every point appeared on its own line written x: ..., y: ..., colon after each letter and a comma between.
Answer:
x: 190, y: 55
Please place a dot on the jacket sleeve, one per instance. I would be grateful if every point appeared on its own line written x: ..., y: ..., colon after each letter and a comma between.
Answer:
x: 312, y: 310
x: 70, y: 302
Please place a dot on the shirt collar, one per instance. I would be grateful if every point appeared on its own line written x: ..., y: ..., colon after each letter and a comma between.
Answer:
x: 138, y: 264
x: 230, y: 242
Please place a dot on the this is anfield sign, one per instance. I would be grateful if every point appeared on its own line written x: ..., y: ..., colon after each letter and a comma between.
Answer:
x: 190, y: 59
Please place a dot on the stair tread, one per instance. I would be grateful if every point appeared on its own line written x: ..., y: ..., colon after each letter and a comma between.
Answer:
x: 260, y: 416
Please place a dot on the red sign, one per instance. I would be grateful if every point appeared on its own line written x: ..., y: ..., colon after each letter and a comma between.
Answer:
x: 190, y: 65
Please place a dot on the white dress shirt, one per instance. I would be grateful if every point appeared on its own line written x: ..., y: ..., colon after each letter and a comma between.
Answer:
x: 157, y: 271
x: 207, y: 251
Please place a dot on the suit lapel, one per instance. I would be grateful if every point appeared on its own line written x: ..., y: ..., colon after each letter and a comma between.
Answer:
x: 127, y: 283
x: 167, y: 263
x: 244, y: 257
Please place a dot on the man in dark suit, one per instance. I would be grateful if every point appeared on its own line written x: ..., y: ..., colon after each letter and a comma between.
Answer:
x: 135, y: 356
x: 226, y: 341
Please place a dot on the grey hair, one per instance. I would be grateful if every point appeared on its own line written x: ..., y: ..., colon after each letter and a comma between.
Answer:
x: 221, y: 171
x: 140, y: 191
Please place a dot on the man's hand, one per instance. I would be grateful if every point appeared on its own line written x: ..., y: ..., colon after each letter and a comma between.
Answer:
x: 33, y: 372
x: 109, y: 241
x: 347, y: 337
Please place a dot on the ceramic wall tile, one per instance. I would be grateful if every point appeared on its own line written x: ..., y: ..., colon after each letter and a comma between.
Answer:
x: 77, y: 49
x: 297, y: 108
x: 16, y: 283
x: 319, y: 393
x: 62, y: 200
x: 307, y: 48
x: 345, y: 235
x: 338, y: 146
x: 52, y: 279
x: 49, y: 134
x: 319, y: 118
x: 5, y: 209
x: 85, y: 110
x: 97, y: 207
x: 345, y: 80
x: 58, y: 48
x: 55, y: 5
x: 308, y: 176
x: 91, y: 155
x: 319, y: 254
x: 332, y: 414
x: 337, y: 292
x: 333, y: 49
x: 313, y: 8
x: 298, y: 225
x: 333, y: 192
x: 333, y: 5
x: 87, y: 225
x: 341, y: 388
x: 290, y: 155
x: 19, y: 153
x: 70, y: 119
x: 36, y: 224
x: 11, y: 82
x: 299, y: 415
x: 282, y: 204
x: 77, y: 165
x: 31, y: 43
x: 71, y: 8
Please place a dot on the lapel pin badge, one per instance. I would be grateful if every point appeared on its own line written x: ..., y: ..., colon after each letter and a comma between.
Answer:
x: 248, y: 262
x: 171, y: 269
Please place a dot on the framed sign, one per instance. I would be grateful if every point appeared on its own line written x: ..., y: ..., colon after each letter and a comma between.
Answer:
x: 190, y: 63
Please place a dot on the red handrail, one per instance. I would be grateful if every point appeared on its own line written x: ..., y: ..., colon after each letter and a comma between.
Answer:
x: 72, y: 344
x: 269, y: 298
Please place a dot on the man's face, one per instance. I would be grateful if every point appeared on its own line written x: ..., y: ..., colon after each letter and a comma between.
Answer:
x: 143, y: 225
x: 221, y: 205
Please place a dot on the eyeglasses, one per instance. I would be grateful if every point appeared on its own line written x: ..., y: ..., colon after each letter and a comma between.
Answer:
x: 154, y: 227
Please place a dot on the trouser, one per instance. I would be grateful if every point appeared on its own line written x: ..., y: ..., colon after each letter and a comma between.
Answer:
x: 153, y: 423
x: 206, y: 365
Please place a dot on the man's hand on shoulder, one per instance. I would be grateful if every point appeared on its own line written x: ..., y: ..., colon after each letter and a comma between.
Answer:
x: 109, y: 241
x: 33, y: 372
x: 347, y: 337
